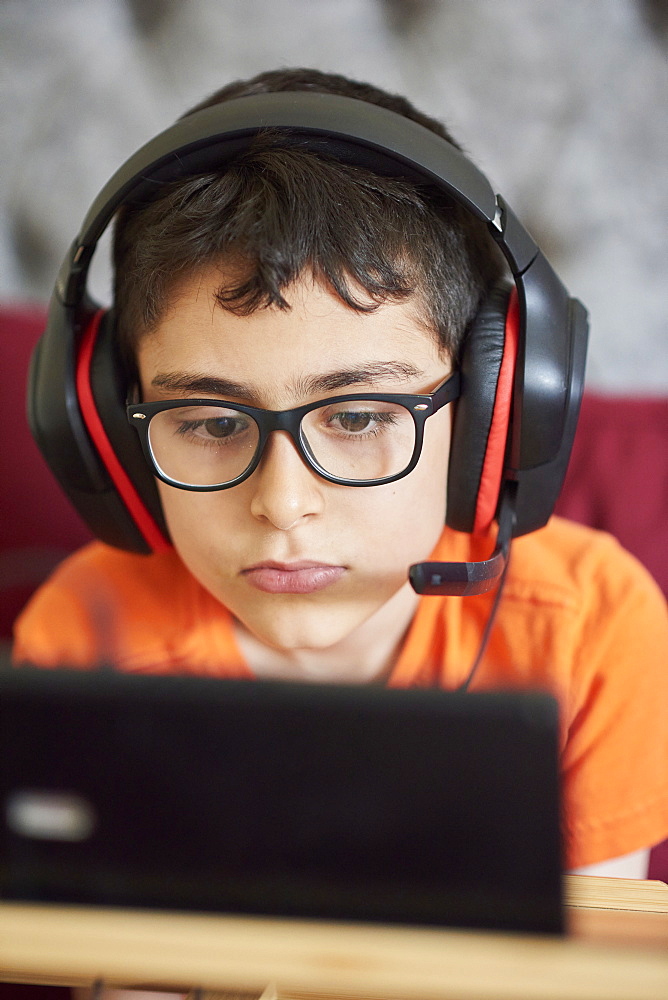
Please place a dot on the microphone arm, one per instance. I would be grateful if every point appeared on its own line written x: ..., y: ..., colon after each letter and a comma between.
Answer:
x: 459, y: 579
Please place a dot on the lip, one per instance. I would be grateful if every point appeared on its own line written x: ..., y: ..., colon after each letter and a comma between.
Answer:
x: 292, y: 578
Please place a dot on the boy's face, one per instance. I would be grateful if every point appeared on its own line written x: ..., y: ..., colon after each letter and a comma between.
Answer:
x: 301, y: 562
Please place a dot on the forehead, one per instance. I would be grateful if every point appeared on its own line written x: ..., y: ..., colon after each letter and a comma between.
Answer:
x: 278, y: 352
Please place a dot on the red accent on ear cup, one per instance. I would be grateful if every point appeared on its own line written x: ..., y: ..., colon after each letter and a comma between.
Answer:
x: 492, y: 469
x: 123, y: 484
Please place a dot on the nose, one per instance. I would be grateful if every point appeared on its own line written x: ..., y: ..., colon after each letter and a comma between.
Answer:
x: 285, y: 489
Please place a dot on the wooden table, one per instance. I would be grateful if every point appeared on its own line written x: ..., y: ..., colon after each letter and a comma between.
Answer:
x: 617, y: 949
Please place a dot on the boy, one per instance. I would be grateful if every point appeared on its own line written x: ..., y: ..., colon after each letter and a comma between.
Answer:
x: 284, y: 282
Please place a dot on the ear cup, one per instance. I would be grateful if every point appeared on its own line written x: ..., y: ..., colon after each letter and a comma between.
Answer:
x: 102, y: 389
x: 481, y: 425
x: 76, y: 407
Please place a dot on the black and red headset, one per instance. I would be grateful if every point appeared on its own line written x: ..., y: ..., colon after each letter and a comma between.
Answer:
x: 522, y: 367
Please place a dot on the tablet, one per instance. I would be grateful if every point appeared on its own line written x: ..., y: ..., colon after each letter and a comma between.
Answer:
x: 301, y: 800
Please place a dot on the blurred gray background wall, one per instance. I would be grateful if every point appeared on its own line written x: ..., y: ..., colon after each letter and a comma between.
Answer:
x: 562, y: 104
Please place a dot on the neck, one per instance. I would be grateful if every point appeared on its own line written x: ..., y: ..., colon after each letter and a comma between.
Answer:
x: 365, y: 656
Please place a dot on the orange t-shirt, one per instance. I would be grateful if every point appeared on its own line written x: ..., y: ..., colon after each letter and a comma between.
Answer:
x: 578, y: 617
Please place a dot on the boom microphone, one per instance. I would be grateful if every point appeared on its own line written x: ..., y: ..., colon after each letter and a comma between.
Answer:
x: 459, y: 579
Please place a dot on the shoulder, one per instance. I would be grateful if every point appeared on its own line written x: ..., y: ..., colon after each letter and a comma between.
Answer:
x: 100, y: 572
x: 102, y: 602
x: 575, y: 606
x: 603, y: 603
x: 565, y: 566
x: 589, y: 614
x: 578, y: 567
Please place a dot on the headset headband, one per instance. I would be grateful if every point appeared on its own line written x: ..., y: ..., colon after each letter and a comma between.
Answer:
x: 552, y: 334
x: 387, y: 143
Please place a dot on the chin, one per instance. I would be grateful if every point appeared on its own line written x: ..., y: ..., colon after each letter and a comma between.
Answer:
x: 300, y: 636
x: 288, y: 630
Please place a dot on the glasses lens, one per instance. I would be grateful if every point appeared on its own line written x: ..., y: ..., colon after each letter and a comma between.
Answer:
x: 360, y: 440
x: 203, y: 445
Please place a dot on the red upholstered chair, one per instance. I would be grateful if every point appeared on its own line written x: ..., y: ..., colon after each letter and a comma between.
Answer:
x: 617, y: 480
x: 38, y: 526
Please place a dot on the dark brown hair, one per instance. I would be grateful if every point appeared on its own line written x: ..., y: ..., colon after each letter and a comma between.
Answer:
x: 278, y: 211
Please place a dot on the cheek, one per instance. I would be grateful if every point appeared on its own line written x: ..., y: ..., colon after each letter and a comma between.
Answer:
x: 429, y: 480
x: 404, y: 520
x: 198, y: 522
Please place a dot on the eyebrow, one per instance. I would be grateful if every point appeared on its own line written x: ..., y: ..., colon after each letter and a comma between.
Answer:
x: 366, y: 374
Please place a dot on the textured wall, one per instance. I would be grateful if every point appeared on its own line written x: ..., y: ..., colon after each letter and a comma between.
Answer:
x: 563, y: 104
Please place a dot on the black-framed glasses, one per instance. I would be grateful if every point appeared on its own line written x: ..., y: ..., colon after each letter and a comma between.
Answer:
x: 359, y: 439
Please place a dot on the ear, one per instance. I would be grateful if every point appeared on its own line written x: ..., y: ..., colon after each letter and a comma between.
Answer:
x: 482, y: 419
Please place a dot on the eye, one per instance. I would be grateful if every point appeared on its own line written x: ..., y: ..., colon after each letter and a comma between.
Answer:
x: 222, y: 427
x: 354, y: 422
x: 203, y: 426
x: 362, y: 422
